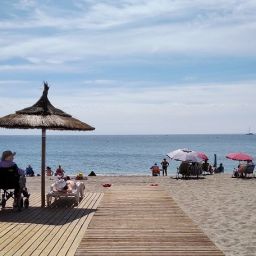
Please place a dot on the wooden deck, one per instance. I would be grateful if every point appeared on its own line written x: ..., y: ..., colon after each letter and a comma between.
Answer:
x: 143, y: 220
x: 46, y: 231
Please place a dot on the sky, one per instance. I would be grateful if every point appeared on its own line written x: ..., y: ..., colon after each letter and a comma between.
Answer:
x: 133, y: 66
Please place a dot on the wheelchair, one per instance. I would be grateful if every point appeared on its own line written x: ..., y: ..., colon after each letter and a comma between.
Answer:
x: 12, y: 185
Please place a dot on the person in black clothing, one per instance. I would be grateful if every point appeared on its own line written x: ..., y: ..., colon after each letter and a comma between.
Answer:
x: 29, y: 171
x: 220, y: 169
x: 7, y: 161
x: 165, y: 165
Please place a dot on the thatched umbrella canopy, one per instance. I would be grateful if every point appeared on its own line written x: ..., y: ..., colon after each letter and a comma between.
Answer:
x: 43, y: 115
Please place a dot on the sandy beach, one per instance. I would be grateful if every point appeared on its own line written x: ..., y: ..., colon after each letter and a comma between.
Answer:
x: 223, y: 207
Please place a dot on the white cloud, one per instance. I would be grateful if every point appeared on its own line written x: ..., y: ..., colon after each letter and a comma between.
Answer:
x: 216, y: 28
x: 187, y: 108
x: 48, y: 38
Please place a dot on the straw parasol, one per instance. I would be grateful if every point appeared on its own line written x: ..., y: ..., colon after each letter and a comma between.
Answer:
x: 43, y: 115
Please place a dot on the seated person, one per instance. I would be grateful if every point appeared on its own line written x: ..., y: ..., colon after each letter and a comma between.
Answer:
x: 206, y: 167
x: 49, y: 171
x: 239, y: 171
x: 155, y: 170
x: 220, y: 168
x: 250, y: 163
x: 6, y: 162
x: 30, y: 171
x: 244, y: 169
x: 59, y: 171
x: 184, y: 168
x: 92, y: 173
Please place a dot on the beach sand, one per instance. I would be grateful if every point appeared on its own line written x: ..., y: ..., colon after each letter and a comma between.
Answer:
x: 223, y: 207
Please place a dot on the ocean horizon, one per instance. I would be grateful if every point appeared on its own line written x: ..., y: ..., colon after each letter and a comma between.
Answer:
x: 121, y: 154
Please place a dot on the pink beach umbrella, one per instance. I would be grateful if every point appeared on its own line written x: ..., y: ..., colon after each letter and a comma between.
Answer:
x: 239, y: 156
x: 202, y: 155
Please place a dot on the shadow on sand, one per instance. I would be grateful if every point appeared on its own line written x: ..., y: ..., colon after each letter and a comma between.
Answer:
x: 189, y: 178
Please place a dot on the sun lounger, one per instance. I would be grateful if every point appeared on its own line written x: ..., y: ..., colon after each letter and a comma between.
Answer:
x: 243, y: 171
x: 195, y: 170
x: 249, y: 169
x: 77, y: 193
x: 188, y: 170
x: 183, y: 170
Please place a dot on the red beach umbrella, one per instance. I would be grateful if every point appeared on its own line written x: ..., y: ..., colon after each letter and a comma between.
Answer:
x: 239, y: 156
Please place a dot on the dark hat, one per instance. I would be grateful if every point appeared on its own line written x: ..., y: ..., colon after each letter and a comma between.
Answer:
x: 7, y: 153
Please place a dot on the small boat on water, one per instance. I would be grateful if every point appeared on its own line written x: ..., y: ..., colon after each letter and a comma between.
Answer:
x: 249, y: 132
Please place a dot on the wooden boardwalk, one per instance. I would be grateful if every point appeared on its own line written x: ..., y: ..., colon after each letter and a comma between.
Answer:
x: 45, y: 231
x: 143, y: 220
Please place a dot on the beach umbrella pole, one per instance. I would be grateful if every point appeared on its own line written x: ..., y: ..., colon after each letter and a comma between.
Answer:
x: 43, y: 168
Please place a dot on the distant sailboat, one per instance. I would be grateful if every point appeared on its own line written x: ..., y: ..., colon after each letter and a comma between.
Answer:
x: 249, y: 132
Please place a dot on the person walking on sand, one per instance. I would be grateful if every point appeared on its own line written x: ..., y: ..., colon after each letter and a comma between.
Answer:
x: 165, y: 165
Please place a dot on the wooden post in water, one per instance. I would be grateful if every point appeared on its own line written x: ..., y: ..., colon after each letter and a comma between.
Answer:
x: 215, y: 161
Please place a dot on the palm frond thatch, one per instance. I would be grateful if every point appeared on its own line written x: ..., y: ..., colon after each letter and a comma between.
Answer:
x: 43, y: 106
x: 51, y: 122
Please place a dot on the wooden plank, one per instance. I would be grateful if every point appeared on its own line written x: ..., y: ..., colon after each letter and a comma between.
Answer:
x: 35, y: 231
x: 143, y: 220
x: 64, y: 241
x: 73, y: 241
x: 50, y: 228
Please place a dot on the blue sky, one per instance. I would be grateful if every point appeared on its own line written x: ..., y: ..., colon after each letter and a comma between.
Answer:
x: 133, y: 66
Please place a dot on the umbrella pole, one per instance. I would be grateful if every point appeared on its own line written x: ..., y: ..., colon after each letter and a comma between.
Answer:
x: 43, y: 168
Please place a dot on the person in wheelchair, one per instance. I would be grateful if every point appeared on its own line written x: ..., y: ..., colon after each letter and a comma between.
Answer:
x: 7, y: 162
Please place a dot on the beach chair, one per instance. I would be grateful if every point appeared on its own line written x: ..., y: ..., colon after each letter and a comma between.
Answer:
x: 207, y: 168
x: 183, y: 170
x: 77, y: 193
x: 243, y: 171
x: 12, y: 185
x: 195, y: 170
x: 249, y: 170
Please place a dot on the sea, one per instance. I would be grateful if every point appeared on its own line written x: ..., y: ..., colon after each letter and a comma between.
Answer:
x: 121, y: 154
